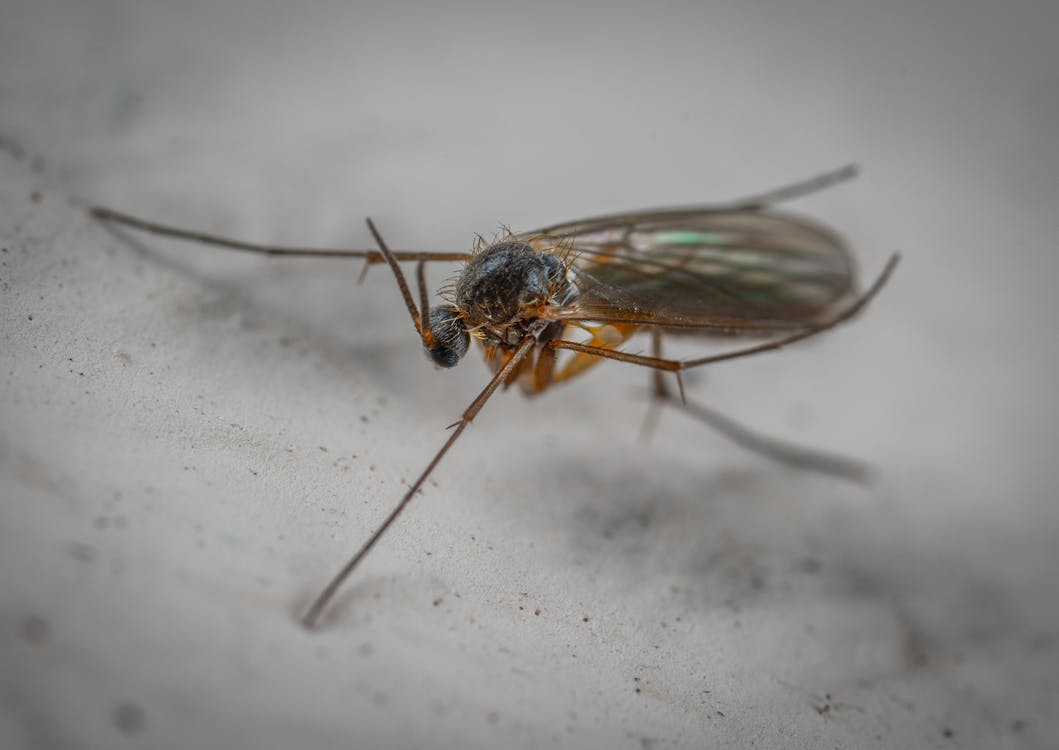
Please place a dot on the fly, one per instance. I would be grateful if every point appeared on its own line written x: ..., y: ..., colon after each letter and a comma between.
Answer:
x: 585, y: 287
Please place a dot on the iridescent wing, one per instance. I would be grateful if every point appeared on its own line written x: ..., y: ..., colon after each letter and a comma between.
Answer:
x: 725, y: 269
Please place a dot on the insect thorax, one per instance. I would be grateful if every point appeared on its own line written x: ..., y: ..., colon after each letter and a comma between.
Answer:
x: 502, y: 289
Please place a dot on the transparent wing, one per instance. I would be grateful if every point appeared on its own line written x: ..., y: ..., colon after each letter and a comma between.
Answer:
x: 734, y: 270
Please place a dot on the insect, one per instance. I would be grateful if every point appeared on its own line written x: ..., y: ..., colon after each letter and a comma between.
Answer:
x: 737, y: 269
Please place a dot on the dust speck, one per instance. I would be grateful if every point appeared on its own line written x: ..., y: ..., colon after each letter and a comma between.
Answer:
x: 810, y: 565
x: 34, y: 629
x: 82, y: 552
x: 128, y: 717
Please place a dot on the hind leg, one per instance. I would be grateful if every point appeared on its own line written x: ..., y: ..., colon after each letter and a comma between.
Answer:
x: 789, y: 454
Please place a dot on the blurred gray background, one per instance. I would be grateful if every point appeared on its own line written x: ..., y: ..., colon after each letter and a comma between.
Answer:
x: 191, y: 441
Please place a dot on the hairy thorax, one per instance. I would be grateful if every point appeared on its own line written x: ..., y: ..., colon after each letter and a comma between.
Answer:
x: 503, y: 291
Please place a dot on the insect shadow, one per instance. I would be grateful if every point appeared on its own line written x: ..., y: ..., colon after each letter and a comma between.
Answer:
x: 583, y: 288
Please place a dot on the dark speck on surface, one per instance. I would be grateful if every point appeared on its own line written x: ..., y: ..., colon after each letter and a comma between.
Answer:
x: 810, y: 565
x: 946, y: 732
x: 82, y: 552
x: 34, y: 629
x: 128, y: 717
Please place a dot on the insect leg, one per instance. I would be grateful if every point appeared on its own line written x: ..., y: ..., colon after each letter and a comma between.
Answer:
x: 796, y: 190
x: 543, y: 371
x: 786, y: 453
x: 606, y: 337
x: 672, y: 365
x: 420, y: 319
x: 778, y: 450
x: 421, y: 282
x: 370, y: 256
x: 312, y: 615
x: 497, y: 357
x: 659, y: 390
x: 402, y: 284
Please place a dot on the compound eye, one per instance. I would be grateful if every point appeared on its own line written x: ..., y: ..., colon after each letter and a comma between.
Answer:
x: 450, y: 337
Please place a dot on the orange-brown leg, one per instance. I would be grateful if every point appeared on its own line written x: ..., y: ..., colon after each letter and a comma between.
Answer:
x: 536, y: 376
x: 543, y: 371
x: 604, y: 338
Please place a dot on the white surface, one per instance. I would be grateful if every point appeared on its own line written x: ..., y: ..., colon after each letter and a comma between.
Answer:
x: 191, y: 441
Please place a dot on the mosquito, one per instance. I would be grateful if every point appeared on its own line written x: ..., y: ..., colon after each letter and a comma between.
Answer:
x: 585, y: 287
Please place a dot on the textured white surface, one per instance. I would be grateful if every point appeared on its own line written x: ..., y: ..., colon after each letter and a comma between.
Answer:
x: 191, y: 441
